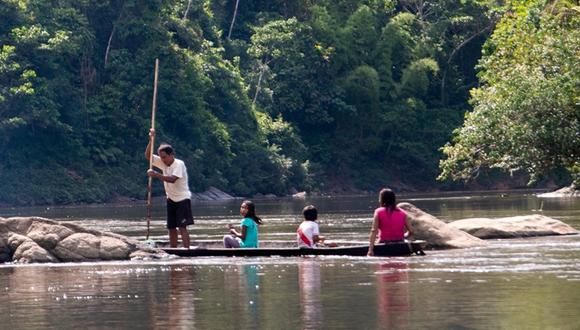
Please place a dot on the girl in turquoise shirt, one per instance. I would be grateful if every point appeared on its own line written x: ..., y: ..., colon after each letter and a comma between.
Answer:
x: 247, y: 237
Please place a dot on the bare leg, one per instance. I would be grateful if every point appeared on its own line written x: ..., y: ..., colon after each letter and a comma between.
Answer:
x: 173, y: 237
x: 184, y: 236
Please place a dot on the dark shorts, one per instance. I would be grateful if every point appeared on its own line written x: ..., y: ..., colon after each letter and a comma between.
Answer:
x: 179, y: 214
x: 392, y: 241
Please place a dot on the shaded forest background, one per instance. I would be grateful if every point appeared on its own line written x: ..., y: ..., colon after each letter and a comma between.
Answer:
x: 272, y: 96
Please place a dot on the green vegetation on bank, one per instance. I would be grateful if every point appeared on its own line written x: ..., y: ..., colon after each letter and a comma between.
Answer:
x: 526, y: 114
x: 272, y: 96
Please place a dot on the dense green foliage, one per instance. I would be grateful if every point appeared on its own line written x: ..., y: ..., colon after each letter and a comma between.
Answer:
x: 256, y: 96
x: 76, y: 98
x: 527, y: 112
x: 374, y: 88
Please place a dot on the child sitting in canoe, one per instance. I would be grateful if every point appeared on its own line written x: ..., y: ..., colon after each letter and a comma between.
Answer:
x: 389, y: 221
x: 308, y: 233
x: 247, y: 236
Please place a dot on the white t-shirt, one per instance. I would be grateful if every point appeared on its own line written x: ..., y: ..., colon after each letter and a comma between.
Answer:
x: 178, y: 190
x: 305, y: 234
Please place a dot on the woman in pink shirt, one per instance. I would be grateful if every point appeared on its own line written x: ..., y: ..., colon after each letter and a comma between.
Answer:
x: 389, y: 220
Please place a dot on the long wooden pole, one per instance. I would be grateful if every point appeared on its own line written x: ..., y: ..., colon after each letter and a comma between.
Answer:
x: 152, y: 144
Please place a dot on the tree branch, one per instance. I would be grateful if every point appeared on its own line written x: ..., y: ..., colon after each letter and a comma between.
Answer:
x: 454, y: 52
x: 233, y: 19
x: 186, y: 10
x: 111, y: 35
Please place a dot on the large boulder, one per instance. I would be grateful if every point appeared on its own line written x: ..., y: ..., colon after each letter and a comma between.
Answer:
x: 300, y: 195
x: 33, y: 239
x: 17, y: 224
x: 570, y: 191
x: 47, y: 235
x: 437, y: 233
x: 78, y: 247
x: 29, y: 252
x: 212, y: 194
x: 113, y: 249
x: 511, y: 227
x: 15, y: 240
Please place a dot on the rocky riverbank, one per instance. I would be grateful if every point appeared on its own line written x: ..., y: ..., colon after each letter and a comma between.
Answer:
x: 34, y: 239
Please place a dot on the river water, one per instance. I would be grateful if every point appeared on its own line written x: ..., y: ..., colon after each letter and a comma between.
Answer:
x: 529, y: 283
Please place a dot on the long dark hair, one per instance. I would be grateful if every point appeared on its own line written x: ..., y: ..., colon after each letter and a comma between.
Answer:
x: 387, y: 199
x: 252, y: 212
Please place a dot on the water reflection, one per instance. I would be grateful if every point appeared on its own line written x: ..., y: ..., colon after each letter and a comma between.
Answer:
x: 40, y: 296
x: 180, y: 307
x: 250, y: 273
x: 243, y: 289
x: 393, y: 294
x: 30, y: 290
x: 519, y: 283
x: 309, y: 283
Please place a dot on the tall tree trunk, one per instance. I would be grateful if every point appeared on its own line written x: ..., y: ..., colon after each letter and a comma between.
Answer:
x: 258, y: 85
x: 88, y: 74
x: 186, y: 10
x: 233, y: 19
x: 109, y: 44
x: 85, y: 69
x: 112, y: 34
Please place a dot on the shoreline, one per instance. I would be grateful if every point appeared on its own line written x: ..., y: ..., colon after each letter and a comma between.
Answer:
x: 124, y: 201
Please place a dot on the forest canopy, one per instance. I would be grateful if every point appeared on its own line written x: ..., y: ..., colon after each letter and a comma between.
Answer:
x: 281, y: 96
x: 526, y: 114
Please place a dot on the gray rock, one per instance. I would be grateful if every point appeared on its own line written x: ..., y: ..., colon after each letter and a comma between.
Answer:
x: 29, y: 252
x: 145, y: 255
x: 511, y: 227
x: 15, y: 240
x: 17, y: 224
x: 571, y: 191
x: 47, y: 235
x: 437, y: 233
x: 212, y: 194
x: 300, y: 195
x: 78, y: 247
x: 113, y: 249
x: 35, y: 239
x: 218, y: 194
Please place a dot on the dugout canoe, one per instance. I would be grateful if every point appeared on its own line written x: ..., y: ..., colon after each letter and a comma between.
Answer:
x: 381, y: 250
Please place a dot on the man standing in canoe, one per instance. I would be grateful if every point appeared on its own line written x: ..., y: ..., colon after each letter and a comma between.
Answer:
x: 174, y: 177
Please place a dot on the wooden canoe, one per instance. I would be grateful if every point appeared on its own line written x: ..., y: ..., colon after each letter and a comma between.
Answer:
x: 381, y: 250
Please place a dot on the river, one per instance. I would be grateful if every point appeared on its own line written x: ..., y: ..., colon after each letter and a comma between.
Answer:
x: 529, y: 283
